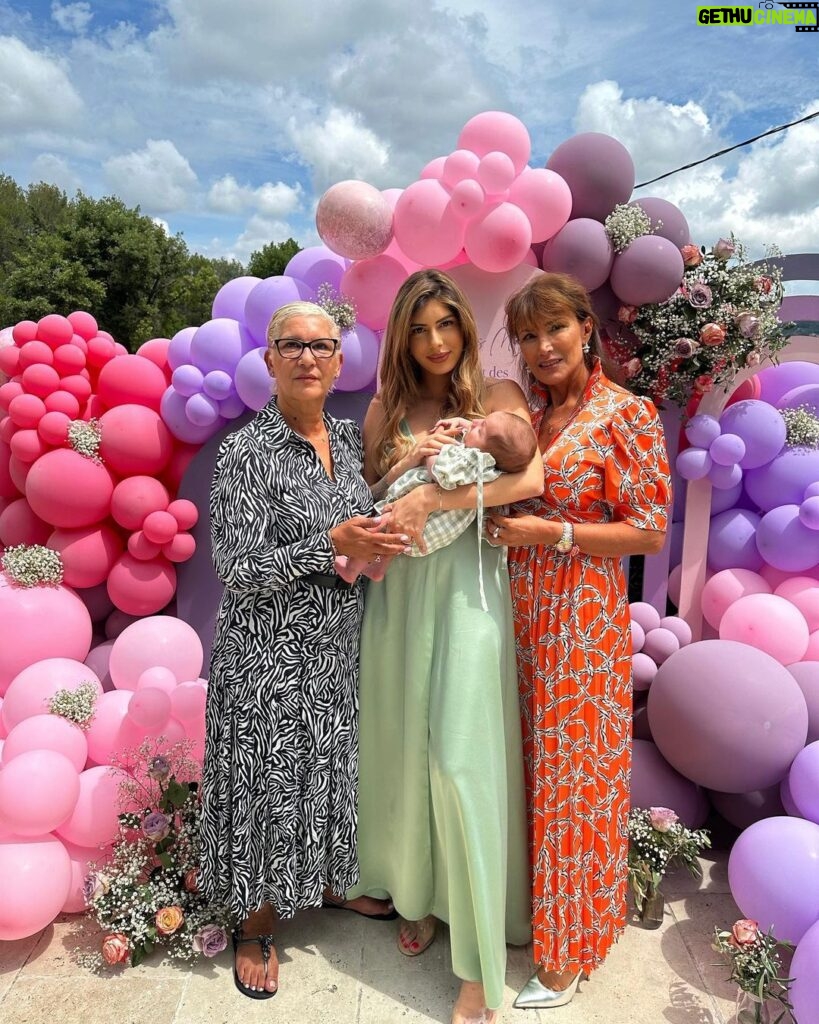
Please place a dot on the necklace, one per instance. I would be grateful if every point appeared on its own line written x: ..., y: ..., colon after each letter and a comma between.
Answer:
x: 551, y: 426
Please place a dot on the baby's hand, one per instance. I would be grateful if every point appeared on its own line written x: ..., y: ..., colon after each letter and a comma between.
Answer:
x: 454, y: 424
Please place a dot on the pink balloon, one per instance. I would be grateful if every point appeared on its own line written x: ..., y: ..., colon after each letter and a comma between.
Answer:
x: 660, y: 644
x: 644, y: 613
x: 54, y: 329
x: 499, y: 240
x: 141, y: 548
x: 141, y: 587
x: 26, y: 411
x: 160, y: 527
x: 88, y: 553
x: 81, y: 858
x: 38, y: 791
x: 426, y: 227
x: 158, y: 678
x: 458, y: 166
x: 19, y: 525
x: 184, y: 512
x: 354, y: 220
x: 372, y: 285
x: 599, y: 171
x: 643, y: 670
x: 131, y: 380
x: 726, y: 587
x: 679, y: 627
x: 582, y: 249
x: 188, y: 701
x: 66, y: 489
x: 40, y: 380
x: 69, y: 359
x: 467, y: 199
x: 495, y: 130
x: 27, y: 445
x: 34, y: 352
x: 769, y: 623
x: 495, y: 173
x: 160, y: 640
x: 35, y: 876
x: 650, y: 269
x: 31, y: 689
x: 62, y: 401
x: 133, y: 499
x: 47, y: 732
x: 110, y: 731
x: 83, y: 323
x: 135, y: 441
x: 803, y: 593
x: 179, y: 548
x: 53, y: 428
x: 545, y: 198
x: 94, y: 821
x: 149, y: 707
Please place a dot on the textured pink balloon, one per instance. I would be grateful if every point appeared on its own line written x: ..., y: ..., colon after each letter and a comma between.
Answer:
x: 354, y: 220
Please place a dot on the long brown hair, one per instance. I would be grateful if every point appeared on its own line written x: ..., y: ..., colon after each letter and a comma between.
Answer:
x: 401, y: 375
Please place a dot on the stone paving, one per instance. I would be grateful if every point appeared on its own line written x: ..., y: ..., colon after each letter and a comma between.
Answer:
x: 342, y: 969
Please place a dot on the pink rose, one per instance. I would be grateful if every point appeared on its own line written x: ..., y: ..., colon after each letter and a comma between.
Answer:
x: 685, y: 347
x: 744, y: 933
x: 627, y: 314
x: 632, y: 368
x: 712, y: 334
x: 692, y: 257
x: 753, y: 358
x: 191, y: 880
x: 763, y: 284
x: 662, y: 818
x: 724, y: 249
x: 115, y: 948
x: 747, y: 324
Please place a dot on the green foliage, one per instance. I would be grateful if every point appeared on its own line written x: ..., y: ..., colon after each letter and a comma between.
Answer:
x: 271, y: 260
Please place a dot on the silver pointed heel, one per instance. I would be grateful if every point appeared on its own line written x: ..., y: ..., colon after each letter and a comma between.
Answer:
x: 536, y: 996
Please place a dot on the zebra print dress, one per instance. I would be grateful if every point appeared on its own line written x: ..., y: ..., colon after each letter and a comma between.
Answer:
x: 281, y: 754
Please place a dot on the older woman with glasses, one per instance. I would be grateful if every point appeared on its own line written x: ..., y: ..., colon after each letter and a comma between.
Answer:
x: 281, y: 763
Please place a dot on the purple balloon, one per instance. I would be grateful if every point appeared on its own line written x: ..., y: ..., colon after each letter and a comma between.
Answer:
x: 787, y: 799
x: 267, y: 297
x: 679, y: 627
x: 803, y: 781
x: 252, y: 380
x: 693, y: 463
x: 231, y: 406
x: 660, y: 644
x: 783, y: 480
x: 806, y: 674
x: 785, y: 542
x: 172, y: 410
x: 217, y: 384
x: 727, y: 449
x: 743, y: 809
x: 727, y: 715
x: 732, y: 541
x: 98, y: 659
x: 809, y: 512
x: 761, y: 428
x: 599, y: 171
x: 667, y: 220
x: 201, y: 410
x: 641, y: 728
x: 725, y: 478
x: 581, y: 248
x: 654, y: 783
x: 97, y: 601
x: 219, y: 345
x: 231, y: 297
x: 776, y: 381
x: 604, y: 302
x: 318, y: 265
x: 773, y: 871
x: 644, y: 613
x: 724, y: 498
x: 806, y: 395
x: 643, y: 671
x: 187, y: 380
x: 360, y: 350
x: 638, y: 637
x: 804, y: 989
x: 179, y: 348
x: 702, y: 429
x: 650, y: 269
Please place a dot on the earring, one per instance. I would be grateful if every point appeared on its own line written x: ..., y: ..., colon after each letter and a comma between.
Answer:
x: 586, y: 349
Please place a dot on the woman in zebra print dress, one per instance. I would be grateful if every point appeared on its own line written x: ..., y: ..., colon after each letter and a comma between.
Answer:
x: 280, y: 774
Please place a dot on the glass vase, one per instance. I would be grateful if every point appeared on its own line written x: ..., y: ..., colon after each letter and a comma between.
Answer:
x: 652, y: 909
x: 750, y: 1009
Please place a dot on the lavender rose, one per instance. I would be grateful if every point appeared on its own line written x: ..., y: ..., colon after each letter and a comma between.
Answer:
x: 662, y: 818
x: 699, y: 295
x: 210, y: 940
x: 96, y: 884
x: 685, y: 347
x: 159, y: 768
x: 156, y: 825
x: 747, y: 325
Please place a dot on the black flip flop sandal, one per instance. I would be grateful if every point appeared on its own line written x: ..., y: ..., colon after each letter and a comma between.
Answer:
x: 267, y: 945
x: 330, y: 904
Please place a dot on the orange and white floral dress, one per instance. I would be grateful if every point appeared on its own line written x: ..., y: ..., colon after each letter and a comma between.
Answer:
x: 573, y: 638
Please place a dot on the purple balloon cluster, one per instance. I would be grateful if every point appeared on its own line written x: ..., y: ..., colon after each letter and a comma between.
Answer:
x: 653, y: 640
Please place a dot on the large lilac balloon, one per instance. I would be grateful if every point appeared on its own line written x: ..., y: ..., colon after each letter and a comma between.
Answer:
x: 773, y: 871
x: 252, y: 380
x: 784, y: 479
x: 727, y: 716
x: 582, y: 249
x: 231, y: 298
x: 179, y: 347
x: 804, y: 989
x: 318, y: 265
x: 354, y: 220
x: 761, y: 428
x: 667, y: 220
x: 650, y: 269
x: 803, y: 781
x: 360, y: 350
x: 599, y: 171
x: 743, y: 809
x: 806, y: 674
x: 732, y: 541
x: 219, y: 345
x: 776, y: 381
x: 654, y: 783
x: 267, y: 297
x: 785, y: 542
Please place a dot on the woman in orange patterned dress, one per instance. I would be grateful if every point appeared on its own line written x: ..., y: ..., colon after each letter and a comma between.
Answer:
x: 606, y: 495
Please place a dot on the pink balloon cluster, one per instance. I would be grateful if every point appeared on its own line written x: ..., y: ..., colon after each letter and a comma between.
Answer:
x: 654, y: 640
x: 54, y: 492
x: 59, y: 799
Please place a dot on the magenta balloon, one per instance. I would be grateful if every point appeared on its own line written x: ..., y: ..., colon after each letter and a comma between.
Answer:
x: 499, y: 240
x: 599, y: 171
x: 654, y: 783
x: 545, y: 198
x: 219, y: 345
x: 582, y: 249
x: 773, y: 871
x: 804, y: 989
x: 267, y: 297
x: 803, y: 781
x: 252, y: 380
x: 427, y: 229
x: 761, y: 428
x: 354, y: 220
x: 172, y: 409
x: 727, y: 449
x: 806, y: 674
x: 732, y: 541
x: 702, y: 430
x: 66, y: 489
x: 727, y: 716
x: 360, y: 350
x: 494, y: 130
x: 667, y: 220
x: 743, y: 809
x: 230, y: 299
x: 179, y: 349
x: 776, y: 381
x: 785, y: 542
x: 318, y: 265
x: 693, y: 463
x: 650, y: 269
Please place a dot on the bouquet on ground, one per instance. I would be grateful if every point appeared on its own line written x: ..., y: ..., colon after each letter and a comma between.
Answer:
x: 147, y: 895
x: 657, y: 839
x: 756, y: 967
x: 722, y: 318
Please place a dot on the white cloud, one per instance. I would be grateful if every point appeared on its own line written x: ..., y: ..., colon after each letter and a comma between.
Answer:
x: 35, y: 91
x: 157, y: 178
x: 271, y: 200
x: 160, y: 223
x: 55, y: 170
x: 72, y: 18
x: 339, y: 147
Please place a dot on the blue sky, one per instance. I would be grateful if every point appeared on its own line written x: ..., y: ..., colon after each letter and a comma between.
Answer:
x: 227, y: 119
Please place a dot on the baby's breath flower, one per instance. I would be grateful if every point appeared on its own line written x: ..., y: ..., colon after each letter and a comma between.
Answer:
x: 341, y: 310
x: 33, y: 565
x: 75, y: 705
x: 802, y: 427
x: 84, y: 436
x: 626, y: 222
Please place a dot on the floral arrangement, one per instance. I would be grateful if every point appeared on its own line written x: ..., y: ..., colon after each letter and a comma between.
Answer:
x: 85, y: 436
x: 723, y: 317
x: 802, y: 426
x: 147, y: 895
x: 756, y: 967
x: 33, y: 565
x: 76, y: 706
x: 341, y: 310
x: 656, y: 838
x: 626, y: 222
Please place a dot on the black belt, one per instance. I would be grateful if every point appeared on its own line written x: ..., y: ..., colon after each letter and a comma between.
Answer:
x: 329, y: 580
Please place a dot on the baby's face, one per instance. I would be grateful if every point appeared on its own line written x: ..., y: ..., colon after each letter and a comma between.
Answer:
x: 475, y: 437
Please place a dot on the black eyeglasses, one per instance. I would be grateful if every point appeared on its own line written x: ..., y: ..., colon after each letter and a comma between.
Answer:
x: 292, y: 348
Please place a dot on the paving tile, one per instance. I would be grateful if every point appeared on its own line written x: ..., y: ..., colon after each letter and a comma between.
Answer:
x: 91, y: 999
x: 13, y: 955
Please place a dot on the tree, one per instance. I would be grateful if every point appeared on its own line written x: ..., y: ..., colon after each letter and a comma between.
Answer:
x: 271, y: 260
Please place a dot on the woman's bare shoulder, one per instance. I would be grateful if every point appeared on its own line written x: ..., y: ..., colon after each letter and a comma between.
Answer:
x: 505, y: 395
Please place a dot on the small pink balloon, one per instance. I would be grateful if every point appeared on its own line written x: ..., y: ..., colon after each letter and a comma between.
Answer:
x: 467, y: 199
x: 426, y: 227
x: 459, y: 165
x: 54, y: 329
x: 188, y: 701
x: 372, y: 285
x: 134, y: 498
x: 433, y: 169
x: 354, y: 220
x: 95, y: 818
x: 644, y: 613
x: 726, y: 587
x: 158, y: 678
x: 38, y: 791
x: 803, y: 593
x: 679, y: 627
x: 179, y: 548
x: 184, y: 512
x: 149, y: 707
x: 141, y: 548
x: 83, y: 323
x: 638, y: 637
x: 495, y: 172
x: 160, y: 527
x: 495, y: 130
x: 47, y: 732
x: 644, y: 669
x: 110, y: 731
x: 660, y: 644
x: 160, y: 640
